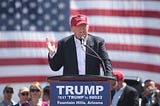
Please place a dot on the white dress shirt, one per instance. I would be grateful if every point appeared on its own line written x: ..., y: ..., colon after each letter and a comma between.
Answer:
x: 117, y: 96
x: 81, y: 57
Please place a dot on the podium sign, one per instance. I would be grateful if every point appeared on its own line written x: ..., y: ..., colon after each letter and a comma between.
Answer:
x: 79, y: 93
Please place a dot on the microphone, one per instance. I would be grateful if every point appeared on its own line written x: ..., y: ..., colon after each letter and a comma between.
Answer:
x: 82, y: 37
x: 82, y: 40
x: 96, y: 55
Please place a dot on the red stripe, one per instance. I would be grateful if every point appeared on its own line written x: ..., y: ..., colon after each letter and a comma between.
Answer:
x: 121, y: 13
x: 125, y: 30
x: 22, y: 79
x: 136, y: 66
x: 23, y: 61
x: 109, y: 46
x: 44, y: 61
x: 23, y: 44
x: 134, y: 48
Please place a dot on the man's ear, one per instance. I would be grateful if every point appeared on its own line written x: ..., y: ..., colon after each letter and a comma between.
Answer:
x: 72, y: 29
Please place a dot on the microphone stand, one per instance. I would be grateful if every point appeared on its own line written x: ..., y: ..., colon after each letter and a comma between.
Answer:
x: 96, y: 54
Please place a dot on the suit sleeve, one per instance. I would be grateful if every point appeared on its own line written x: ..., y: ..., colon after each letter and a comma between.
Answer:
x: 56, y: 62
x: 107, y: 62
x: 133, y: 97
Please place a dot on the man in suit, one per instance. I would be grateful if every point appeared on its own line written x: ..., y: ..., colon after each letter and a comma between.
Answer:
x: 150, y: 93
x: 123, y: 94
x: 23, y: 95
x: 76, y: 58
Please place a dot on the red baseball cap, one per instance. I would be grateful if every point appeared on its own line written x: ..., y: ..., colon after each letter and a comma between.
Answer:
x: 118, y: 75
x: 79, y: 19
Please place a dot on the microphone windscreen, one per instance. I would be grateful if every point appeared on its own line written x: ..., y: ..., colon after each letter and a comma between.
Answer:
x: 82, y: 39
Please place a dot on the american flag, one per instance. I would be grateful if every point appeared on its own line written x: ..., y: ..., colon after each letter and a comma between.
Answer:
x: 131, y: 29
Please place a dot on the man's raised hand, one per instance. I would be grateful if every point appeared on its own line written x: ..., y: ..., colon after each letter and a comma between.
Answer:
x: 51, y: 47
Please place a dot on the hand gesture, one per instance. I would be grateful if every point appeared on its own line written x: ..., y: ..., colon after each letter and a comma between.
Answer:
x: 51, y: 48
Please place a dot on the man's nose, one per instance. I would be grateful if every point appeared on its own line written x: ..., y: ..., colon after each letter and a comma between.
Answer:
x: 82, y: 32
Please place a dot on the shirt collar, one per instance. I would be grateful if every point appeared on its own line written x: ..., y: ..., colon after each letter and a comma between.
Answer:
x: 78, y: 41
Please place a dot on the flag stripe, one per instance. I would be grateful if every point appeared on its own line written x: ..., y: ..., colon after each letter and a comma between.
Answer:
x: 119, y: 13
x: 124, y: 22
x: 23, y: 61
x: 29, y: 70
x: 118, y: 38
x: 23, y: 79
x: 134, y: 48
x: 147, y: 5
x: 22, y: 44
x: 125, y: 30
x: 116, y: 64
x: 109, y: 46
x: 114, y: 55
x: 136, y: 66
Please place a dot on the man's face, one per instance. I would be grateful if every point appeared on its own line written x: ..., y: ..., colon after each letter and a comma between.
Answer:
x: 149, y: 87
x: 8, y: 94
x: 149, y: 84
x: 80, y: 30
x: 118, y: 84
x: 23, y: 97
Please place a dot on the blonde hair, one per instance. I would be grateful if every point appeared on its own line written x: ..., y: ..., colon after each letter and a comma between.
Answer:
x: 37, y: 85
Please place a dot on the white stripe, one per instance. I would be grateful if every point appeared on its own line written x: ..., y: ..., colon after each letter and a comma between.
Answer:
x: 124, y: 22
x: 114, y: 55
x: 31, y: 36
x: 45, y: 70
x: 28, y: 70
x: 116, y: 5
x: 135, y: 57
x: 142, y: 74
x: 24, y: 53
x: 132, y: 39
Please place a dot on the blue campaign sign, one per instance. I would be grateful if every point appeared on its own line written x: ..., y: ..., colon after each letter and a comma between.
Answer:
x: 80, y: 93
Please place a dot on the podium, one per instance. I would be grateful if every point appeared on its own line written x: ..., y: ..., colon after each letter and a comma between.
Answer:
x: 80, y: 90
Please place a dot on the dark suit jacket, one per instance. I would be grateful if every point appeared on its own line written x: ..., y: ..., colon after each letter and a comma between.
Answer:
x: 129, y: 97
x: 66, y: 56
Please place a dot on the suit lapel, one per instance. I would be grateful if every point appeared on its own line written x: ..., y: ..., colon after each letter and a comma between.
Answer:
x: 74, y: 55
x: 122, y: 96
x: 90, y: 43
